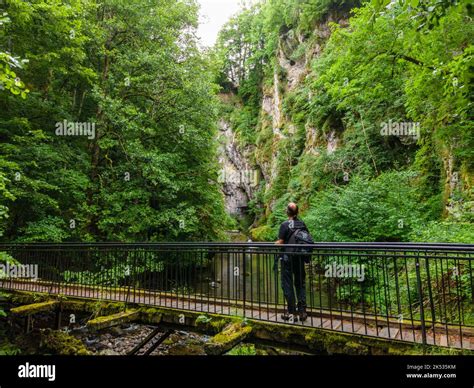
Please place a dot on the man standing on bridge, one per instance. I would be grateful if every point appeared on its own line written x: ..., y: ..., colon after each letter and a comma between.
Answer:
x: 292, y: 267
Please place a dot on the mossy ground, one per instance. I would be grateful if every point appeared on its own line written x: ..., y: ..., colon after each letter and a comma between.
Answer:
x: 60, y: 343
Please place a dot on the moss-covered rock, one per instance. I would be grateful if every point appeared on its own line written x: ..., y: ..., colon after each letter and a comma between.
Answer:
x: 112, y: 320
x: 228, y: 338
x: 150, y: 315
x: 219, y: 324
x: 34, y: 308
x: 60, y: 343
x: 355, y: 348
x: 25, y: 297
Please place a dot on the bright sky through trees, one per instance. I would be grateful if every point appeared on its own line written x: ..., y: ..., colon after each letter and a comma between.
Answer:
x: 213, y: 15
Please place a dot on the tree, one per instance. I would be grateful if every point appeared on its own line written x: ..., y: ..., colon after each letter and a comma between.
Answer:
x: 130, y: 76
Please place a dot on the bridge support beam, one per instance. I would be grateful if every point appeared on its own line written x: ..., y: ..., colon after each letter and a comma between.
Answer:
x: 107, y: 321
x: 27, y: 311
x: 228, y: 338
x: 34, y: 308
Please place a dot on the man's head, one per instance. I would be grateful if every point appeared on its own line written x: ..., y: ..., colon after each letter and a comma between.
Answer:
x: 292, y: 210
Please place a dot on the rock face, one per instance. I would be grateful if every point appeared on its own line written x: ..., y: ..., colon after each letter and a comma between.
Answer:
x: 332, y: 142
x: 294, y: 68
x: 239, y: 180
x: 275, y: 128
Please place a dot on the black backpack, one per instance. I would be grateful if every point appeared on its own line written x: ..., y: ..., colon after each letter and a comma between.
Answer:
x: 301, y: 236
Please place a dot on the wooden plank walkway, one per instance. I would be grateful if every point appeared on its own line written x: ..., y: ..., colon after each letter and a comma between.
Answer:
x: 378, y: 326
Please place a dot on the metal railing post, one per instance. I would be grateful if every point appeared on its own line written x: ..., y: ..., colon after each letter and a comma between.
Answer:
x: 244, y: 291
x: 420, y: 297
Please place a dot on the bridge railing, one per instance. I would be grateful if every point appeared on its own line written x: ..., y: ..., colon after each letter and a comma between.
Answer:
x: 410, y: 292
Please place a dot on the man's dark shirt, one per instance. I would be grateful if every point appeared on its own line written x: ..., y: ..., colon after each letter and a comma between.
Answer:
x: 285, y: 230
x: 284, y: 233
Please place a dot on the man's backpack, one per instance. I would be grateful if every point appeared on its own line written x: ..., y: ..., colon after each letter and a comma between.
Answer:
x: 301, y: 236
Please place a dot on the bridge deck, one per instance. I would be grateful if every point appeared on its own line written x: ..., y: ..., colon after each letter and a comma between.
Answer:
x: 353, y: 323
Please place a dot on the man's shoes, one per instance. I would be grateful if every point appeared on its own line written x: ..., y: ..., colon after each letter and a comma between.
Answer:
x: 290, y: 317
x: 303, y: 315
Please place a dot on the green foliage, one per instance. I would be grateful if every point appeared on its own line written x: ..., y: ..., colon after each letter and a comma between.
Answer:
x: 49, y: 229
x: 381, y: 209
x: 5, y: 258
x: 8, y: 78
x: 134, y: 71
x: 447, y: 232
x: 243, y: 122
x: 243, y: 350
x: 302, y: 15
x: 264, y: 233
x: 8, y: 349
x: 426, y: 13
x: 114, y: 276
x: 203, y: 319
